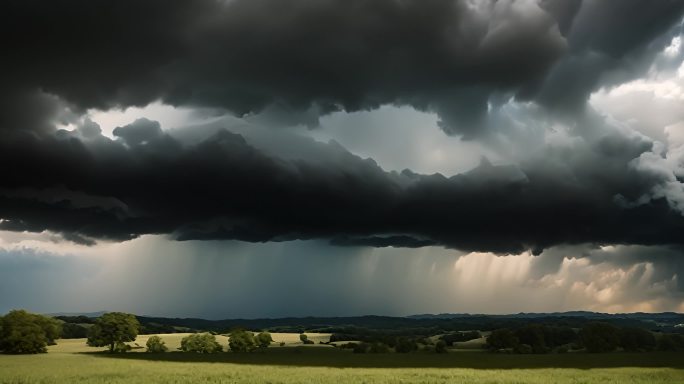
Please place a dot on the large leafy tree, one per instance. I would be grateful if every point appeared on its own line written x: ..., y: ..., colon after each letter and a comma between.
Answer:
x: 24, y: 332
x: 113, y: 330
x: 242, y: 341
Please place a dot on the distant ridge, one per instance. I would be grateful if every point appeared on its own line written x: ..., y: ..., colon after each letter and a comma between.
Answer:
x: 418, y: 324
x: 532, y: 315
x: 86, y: 314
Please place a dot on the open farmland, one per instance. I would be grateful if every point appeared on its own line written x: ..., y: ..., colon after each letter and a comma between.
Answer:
x: 72, y: 362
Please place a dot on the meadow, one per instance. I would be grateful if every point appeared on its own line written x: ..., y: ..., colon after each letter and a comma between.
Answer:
x: 71, y: 361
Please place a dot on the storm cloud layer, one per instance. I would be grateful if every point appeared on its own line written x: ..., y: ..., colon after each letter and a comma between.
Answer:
x: 145, y: 181
x: 302, y: 58
x: 493, y: 71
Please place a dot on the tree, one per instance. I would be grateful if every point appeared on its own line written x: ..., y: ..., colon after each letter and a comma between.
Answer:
x: 636, y: 339
x: 74, y: 331
x: 378, y: 347
x: 405, y: 345
x: 241, y: 341
x: 201, y: 343
x: 264, y: 339
x: 533, y: 336
x: 671, y: 342
x: 501, y: 339
x: 113, y: 330
x: 24, y: 332
x: 305, y: 339
x: 600, y: 337
x: 155, y: 344
x: 441, y: 347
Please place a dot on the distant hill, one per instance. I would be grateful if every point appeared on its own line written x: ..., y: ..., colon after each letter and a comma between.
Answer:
x: 581, y: 314
x: 75, y: 314
x: 425, y: 324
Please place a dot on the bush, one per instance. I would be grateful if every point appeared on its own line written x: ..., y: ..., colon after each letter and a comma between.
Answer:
x: 305, y: 339
x: 200, y: 343
x: 120, y: 347
x: 242, y: 341
x: 24, y: 332
x: 155, y: 344
x: 263, y: 339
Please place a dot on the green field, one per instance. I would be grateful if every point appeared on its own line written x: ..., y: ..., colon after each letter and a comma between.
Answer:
x: 72, y: 362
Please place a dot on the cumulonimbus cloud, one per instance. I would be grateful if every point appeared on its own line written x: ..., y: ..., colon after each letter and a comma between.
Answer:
x: 454, y: 57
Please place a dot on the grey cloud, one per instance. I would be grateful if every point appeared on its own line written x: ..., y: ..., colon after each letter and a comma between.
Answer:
x: 295, y: 60
x: 228, y: 186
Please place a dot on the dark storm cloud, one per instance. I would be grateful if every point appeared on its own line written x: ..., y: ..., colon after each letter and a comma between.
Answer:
x: 146, y: 182
x: 447, y: 56
x: 304, y: 58
x: 609, y: 42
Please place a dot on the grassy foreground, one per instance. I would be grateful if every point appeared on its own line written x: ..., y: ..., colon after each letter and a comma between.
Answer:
x: 72, y: 362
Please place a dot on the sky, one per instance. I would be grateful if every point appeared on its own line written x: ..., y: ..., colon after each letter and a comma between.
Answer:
x: 271, y: 158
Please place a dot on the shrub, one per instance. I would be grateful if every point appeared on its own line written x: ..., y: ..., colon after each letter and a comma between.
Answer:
x: 120, y: 347
x: 242, y: 341
x: 305, y: 339
x: 200, y: 343
x: 264, y: 339
x: 155, y: 344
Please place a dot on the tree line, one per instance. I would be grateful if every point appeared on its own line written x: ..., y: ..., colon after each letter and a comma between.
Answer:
x: 24, y: 332
x: 594, y: 337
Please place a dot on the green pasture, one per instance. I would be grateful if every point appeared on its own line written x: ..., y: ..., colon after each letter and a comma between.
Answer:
x: 72, y: 362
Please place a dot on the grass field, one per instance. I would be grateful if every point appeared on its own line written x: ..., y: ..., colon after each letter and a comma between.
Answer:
x: 72, y: 362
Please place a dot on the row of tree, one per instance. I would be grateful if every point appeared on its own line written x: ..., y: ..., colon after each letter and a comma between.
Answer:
x: 115, y: 329
x: 594, y: 337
